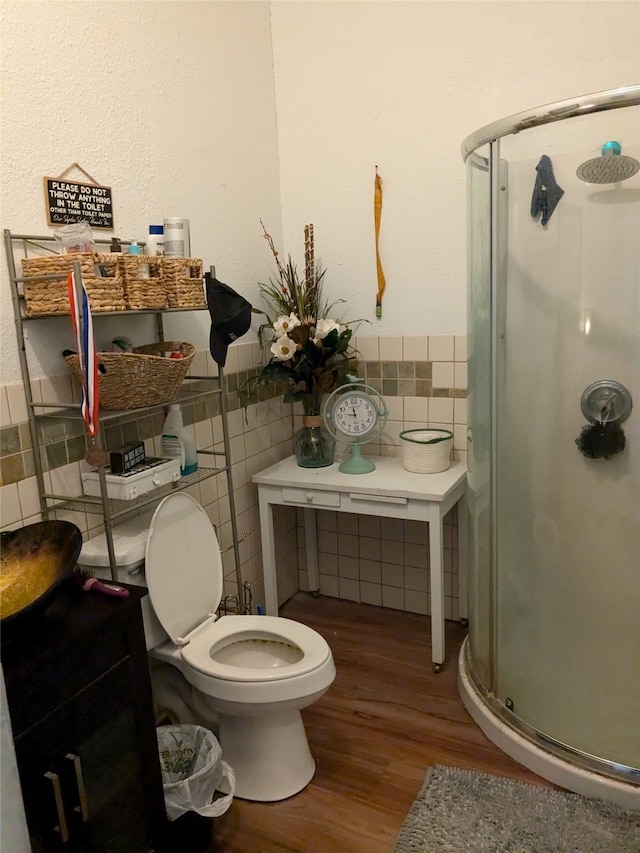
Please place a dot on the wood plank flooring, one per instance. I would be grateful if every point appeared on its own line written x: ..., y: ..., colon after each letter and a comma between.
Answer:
x: 384, y: 721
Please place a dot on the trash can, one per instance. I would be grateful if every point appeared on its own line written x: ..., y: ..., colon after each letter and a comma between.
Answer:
x: 192, y: 772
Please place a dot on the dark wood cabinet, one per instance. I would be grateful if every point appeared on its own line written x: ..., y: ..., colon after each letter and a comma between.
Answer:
x: 79, y: 698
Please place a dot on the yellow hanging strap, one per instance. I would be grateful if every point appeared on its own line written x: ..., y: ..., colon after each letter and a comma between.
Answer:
x: 377, y: 212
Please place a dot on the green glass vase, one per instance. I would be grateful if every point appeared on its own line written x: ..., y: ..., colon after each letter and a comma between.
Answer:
x: 313, y: 445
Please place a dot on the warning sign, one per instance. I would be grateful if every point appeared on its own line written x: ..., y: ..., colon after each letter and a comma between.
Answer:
x: 70, y: 201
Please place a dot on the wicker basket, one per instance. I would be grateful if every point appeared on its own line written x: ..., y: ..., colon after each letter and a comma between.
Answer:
x: 183, y: 282
x: 144, y: 377
x: 143, y: 293
x: 43, y: 298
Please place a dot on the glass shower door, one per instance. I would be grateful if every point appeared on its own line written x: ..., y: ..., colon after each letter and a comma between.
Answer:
x: 568, y: 532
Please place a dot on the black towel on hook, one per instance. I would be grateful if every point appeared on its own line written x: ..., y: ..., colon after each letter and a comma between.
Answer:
x: 546, y: 192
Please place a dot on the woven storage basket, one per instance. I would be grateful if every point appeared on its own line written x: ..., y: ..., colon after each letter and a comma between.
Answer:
x: 183, y: 282
x: 426, y: 451
x: 50, y: 297
x: 144, y: 377
x: 143, y: 293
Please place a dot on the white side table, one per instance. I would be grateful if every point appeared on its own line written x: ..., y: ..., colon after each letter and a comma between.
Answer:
x: 390, y: 492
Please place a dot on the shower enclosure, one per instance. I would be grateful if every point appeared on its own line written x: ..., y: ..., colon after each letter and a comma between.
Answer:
x: 551, y: 667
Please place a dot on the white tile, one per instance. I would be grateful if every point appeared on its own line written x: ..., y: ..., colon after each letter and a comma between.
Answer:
x: 231, y: 365
x: 441, y: 347
x: 460, y: 379
x: 416, y: 410
x: 371, y: 593
x: 395, y: 406
x: 348, y: 567
x: 392, y: 529
x: 416, y: 556
x: 57, y: 389
x: 460, y: 437
x: 416, y: 578
x: 330, y: 586
x: 198, y: 366
x: 368, y: 525
x: 460, y: 411
x: 204, y: 434
x: 441, y: 410
x: 17, y: 403
x: 251, y: 443
x: 245, y: 356
x: 460, y: 348
x: 66, y: 480
x: 393, y: 597
x: 235, y: 422
x: 415, y: 348
x: 370, y: 571
x: 368, y: 347
x: 212, y: 366
x: 369, y: 548
x: 442, y: 375
x: 10, y: 514
x: 416, y: 602
x: 28, y: 495
x: 392, y: 575
x: 5, y: 412
x: 349, y: 589
x: 390, y: 348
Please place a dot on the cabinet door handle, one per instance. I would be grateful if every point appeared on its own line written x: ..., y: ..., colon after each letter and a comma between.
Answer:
x: 57, y: 793
x: 82, y: 796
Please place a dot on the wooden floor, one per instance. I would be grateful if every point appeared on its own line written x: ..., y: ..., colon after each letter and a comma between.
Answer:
x: 383, y: 722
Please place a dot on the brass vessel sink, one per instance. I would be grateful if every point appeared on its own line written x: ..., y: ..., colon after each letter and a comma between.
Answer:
x: 34, y: 560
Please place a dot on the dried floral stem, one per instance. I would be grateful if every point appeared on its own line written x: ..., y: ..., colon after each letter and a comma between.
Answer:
x: 269, y: 240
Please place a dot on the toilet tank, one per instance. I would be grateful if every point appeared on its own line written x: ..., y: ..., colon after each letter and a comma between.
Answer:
x: 129, y: 543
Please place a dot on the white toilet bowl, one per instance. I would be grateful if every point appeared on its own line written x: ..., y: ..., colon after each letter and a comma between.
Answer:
x: 252, y: 673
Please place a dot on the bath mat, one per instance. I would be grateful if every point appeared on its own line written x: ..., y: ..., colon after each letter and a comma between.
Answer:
x: 460, y: 811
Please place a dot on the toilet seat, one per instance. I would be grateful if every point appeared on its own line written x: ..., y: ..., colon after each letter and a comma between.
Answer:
x: 255, y: 630
x: 183, y: 567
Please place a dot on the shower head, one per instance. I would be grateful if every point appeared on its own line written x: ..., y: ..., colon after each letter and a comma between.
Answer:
x: 610, y: 167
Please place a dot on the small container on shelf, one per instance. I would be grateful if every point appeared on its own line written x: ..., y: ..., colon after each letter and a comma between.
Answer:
x: 49, y: 296
x: 183, y: 282
x: 143, y: 280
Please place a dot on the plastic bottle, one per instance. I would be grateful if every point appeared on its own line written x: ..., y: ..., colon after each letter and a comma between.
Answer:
x: 155, y: 240
x: 143, y: 268
x: 177, y: 242
x: 177, y: 441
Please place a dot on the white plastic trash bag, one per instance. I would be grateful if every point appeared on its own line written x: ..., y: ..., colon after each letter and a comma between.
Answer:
x: 192, y: 771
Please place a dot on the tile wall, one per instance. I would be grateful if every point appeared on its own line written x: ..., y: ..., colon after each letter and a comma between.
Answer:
x: 361, y: 558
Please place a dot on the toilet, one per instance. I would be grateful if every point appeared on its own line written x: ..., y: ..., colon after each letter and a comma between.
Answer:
x: 249, y: 676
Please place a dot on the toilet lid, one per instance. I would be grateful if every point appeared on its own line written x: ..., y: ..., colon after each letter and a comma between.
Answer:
x: 183, y: 565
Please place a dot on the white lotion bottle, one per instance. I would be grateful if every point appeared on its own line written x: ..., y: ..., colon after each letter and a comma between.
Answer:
x: 177, y: 441
x: 155, y: 240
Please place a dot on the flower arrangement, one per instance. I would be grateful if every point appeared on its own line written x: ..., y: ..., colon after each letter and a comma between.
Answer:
x: 310, y: 350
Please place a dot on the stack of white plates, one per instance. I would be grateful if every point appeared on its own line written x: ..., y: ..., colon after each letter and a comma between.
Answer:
x: 426, y: 451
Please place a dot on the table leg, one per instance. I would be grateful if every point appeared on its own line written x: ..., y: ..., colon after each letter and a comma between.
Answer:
x: 268, y: 555
x: 463, y: 603
x: 311, y: 548
x: 437, y: 592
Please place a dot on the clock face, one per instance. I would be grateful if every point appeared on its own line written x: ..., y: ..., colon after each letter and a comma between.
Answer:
x: 355, y: 415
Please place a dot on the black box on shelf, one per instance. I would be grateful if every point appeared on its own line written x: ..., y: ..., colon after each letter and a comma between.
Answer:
x: 124, y: 459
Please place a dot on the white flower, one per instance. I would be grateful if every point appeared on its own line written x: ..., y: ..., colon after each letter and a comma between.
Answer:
x: 283, y: 325
x: 283, y: 348
x: 324, y: 327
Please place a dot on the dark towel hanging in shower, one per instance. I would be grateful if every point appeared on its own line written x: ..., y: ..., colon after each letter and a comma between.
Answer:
x: 546, y: 192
